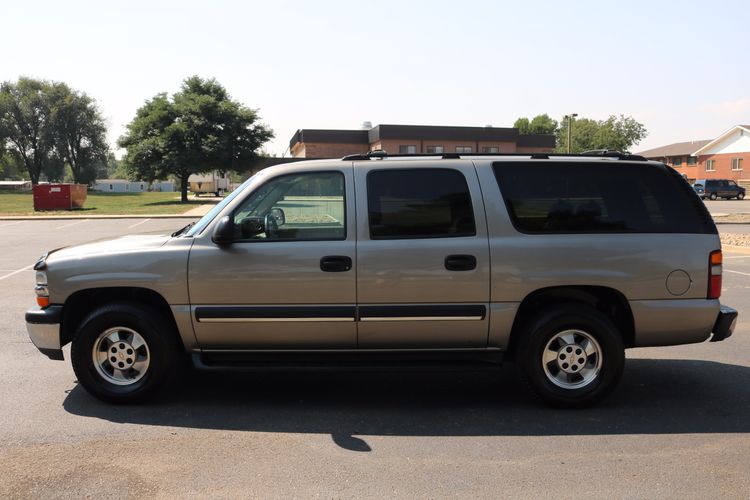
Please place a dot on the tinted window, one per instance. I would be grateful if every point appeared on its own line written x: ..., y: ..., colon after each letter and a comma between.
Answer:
x: 419, y: 203
x: 307, y: 206
x: 573, y: 198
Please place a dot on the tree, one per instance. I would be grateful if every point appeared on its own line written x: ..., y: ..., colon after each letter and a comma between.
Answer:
x: 25, y: 124
x: 78, y: 132
x: 523, y: 125
x: 11, y: 166
x: 615, y: 133
x: 199, y: 129
x: 540, y: 124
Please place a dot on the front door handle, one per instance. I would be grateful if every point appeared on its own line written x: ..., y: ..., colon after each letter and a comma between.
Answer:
x: 460, y: 262
x: 335, y: 263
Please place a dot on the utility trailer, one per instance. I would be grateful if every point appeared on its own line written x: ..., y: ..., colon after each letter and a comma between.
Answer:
x: 215, y: 183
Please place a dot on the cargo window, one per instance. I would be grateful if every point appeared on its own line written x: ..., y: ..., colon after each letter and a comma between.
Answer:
x: 565, y: 197
x: 297, y: 207
x: 419, y: 203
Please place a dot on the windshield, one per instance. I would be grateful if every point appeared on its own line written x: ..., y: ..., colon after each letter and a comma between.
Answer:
x: 206, y: 219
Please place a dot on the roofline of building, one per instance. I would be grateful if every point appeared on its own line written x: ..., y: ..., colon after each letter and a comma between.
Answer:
x: 721, y: 138
x: 660, y: 153
x: 422, y: 132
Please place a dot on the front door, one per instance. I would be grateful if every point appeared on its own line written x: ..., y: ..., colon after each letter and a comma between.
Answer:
x: 423, y: 268
x: 288, y: 279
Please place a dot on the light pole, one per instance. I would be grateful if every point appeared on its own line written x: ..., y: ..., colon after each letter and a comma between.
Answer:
x: 570, y: 128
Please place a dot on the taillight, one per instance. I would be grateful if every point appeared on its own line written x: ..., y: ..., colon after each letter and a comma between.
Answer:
x: 714, y: 274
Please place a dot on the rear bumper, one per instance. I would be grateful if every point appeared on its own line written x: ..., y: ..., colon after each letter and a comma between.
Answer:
x: 725, y: 323
x: 43, y: 326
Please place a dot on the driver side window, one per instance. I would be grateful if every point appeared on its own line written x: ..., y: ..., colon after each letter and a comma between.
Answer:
x: 295, y: 207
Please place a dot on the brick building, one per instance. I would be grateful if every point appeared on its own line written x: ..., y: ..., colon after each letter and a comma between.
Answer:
x: 416, y: 139
x: 725, y: 157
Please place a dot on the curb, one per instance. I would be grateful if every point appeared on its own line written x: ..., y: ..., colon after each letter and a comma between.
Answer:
x: 735, y: 249
x: 73, y: 217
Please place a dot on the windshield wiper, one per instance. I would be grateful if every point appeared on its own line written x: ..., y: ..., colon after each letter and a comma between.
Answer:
x: 181, y: 231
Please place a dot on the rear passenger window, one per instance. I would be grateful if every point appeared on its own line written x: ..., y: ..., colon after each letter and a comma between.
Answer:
x: 565, y: 197
x: 419, y: 203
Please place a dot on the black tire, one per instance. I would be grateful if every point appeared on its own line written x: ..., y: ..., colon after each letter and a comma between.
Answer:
x: 712, y: 196
x: 741, y: 196
x: 539, y: 332
x: 163, y: 351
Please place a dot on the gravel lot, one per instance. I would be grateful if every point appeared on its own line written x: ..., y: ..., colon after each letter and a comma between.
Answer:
x: 677, y: 427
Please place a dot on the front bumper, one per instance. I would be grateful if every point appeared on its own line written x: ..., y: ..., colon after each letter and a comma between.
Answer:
x: 725, y: 323
x: 43, y: 326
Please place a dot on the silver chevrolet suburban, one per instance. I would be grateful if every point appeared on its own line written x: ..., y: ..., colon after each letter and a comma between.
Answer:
x: 556, y: 262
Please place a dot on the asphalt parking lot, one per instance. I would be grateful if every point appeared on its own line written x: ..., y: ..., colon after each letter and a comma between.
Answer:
x: 728, y: 206
x: 678, y: 426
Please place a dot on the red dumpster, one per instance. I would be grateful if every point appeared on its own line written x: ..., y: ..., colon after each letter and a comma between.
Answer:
x: 59, y: 196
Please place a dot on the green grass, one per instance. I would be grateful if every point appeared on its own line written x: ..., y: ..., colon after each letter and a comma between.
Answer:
x: 104, y: 204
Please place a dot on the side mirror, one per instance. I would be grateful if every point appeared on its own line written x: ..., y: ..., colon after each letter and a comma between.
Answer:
x: 279, y: 215
x: 224, y: 231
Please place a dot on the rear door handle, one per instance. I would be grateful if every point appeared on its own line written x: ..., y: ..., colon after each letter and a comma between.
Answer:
x: 460, y: 262
x: 335, y: 263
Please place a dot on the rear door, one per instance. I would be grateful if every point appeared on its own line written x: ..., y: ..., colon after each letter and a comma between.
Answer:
x: 423, y: 270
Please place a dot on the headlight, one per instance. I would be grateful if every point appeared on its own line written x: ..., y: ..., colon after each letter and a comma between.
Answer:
x: 41, y: 289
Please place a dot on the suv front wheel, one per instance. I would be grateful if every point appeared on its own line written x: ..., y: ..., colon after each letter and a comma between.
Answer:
x: 572, y: 356
x: 123, y: 352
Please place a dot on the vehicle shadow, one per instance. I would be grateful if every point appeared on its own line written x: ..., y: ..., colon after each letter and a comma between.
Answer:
x: 655, y: 397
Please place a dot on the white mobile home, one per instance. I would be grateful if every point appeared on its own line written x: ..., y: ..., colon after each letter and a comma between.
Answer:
x: 125, y: 186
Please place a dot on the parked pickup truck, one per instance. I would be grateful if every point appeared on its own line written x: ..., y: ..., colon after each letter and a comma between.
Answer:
x: 558, y: 263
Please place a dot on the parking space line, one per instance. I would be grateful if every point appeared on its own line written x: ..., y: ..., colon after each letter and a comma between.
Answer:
x: 725, y: 270
x: 138, y: 223
x: 72, y: 224
x: 11, y: 224
x: 27, y: 268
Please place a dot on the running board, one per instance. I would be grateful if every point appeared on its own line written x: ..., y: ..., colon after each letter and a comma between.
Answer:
x: 349, y: 361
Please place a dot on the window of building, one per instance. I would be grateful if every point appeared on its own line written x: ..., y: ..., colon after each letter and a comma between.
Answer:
x: 407, y: 149
x: 435, y: 149
x: 490, y: 149
x: 736, y: 163
x: 463, y: 149
x: 557, y: 197
x: 710, y: 166
x: 677, y: 161
x: 692, y: 160
x: 419, y: 203
x: 309, y: 206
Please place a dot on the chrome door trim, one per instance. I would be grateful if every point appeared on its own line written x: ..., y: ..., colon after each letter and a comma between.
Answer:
x: 272, y: 320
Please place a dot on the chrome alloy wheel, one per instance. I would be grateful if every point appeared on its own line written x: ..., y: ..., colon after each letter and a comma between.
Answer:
x: 572, y: 359
x: 121, y: 356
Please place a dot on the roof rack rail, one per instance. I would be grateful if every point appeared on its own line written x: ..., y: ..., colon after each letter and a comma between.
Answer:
x: 605, y: 153
x: 612, y: 153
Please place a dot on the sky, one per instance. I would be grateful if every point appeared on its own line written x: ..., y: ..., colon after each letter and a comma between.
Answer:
x: 681, y: 68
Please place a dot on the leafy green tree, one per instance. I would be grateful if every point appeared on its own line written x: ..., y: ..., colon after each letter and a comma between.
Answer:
x: 543, y: 124
x: 540, y: 124
x: 78, y: 131
x: 199, y: 129
x: 615, y: 133
x: 11, y: 166
x: 523, y: 125
x: 25, y: 125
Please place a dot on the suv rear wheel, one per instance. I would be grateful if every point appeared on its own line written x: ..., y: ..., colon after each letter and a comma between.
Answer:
x: 123, y: 352
x: 572, y: 356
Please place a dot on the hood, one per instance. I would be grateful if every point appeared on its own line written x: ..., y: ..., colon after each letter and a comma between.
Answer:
x: 123, y: 244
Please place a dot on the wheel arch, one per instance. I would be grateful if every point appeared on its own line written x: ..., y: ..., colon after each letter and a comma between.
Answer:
x: 609, y: 301
x: 79, y: 304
